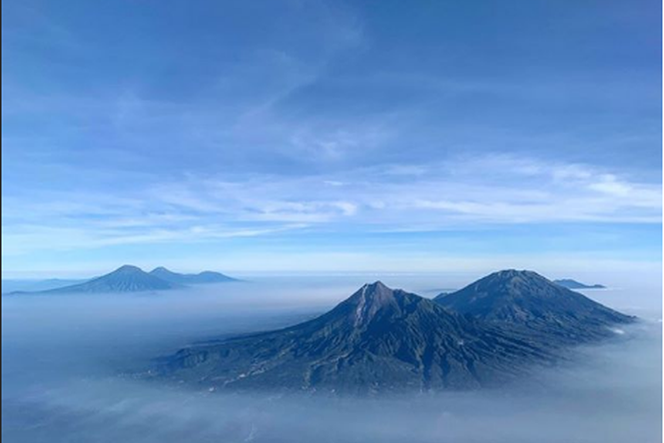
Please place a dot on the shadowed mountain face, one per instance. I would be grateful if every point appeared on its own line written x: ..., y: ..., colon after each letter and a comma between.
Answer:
x: 573, y: 284
x: 526, y: 300
x: 379, y: 339
x: 124, y: 279
x: 200, y: 278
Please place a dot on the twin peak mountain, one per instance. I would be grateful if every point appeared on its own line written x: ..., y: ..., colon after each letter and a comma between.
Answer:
x: 130, y: 278
x: 381, y: 339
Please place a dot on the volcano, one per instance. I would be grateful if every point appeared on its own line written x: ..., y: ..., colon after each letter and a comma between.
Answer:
x: 379, y: 339
x: 527, y: 301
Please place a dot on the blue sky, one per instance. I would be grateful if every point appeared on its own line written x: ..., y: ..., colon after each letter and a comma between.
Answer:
x: 331, y: 136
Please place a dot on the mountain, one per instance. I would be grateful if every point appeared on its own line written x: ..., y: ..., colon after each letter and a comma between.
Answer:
x: 379, y: 339
x: 200, y: 278
x: 525, y: 300
x: 126, y: 278
x: 573, y: 284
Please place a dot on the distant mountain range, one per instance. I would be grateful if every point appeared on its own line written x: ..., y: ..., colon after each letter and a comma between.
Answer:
x: 130, y: 278
x: 381, y: 339
x: 190, y: 279
x: 573, y: 284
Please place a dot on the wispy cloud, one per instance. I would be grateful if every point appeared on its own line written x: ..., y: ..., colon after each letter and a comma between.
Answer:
x: 326, y: 127
x: 29, y: 239
x: 490, y: 190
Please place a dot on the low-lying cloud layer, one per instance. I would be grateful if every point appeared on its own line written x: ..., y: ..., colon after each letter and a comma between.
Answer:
x: 68, y: 365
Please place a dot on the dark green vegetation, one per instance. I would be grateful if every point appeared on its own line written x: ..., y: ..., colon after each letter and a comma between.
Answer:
x: 382, y: 339
x: 573, y: 284
x: 130, y: 278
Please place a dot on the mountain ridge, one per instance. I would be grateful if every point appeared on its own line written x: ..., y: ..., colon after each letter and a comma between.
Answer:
x: 126, y: 278
x: 130, y: 278
x: 204, y: 277
x: 388, y: 340
x: 378, y: 339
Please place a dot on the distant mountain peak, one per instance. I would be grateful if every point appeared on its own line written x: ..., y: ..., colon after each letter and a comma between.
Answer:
x: 128, y: 268
x: 200, y: 278
x: 126, y: 278
x: 130, y: 278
